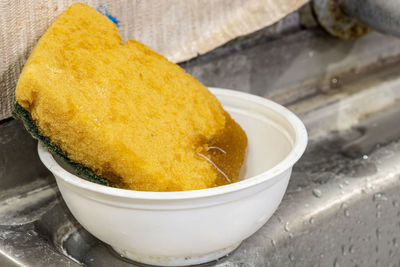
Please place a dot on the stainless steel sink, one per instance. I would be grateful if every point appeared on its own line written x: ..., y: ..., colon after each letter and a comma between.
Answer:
x: 342, y: 206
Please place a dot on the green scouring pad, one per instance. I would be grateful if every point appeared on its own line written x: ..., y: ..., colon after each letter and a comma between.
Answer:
x: 84, y: 172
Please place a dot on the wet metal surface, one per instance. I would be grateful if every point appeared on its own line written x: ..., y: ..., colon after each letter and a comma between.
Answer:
x: 19, y: 161
x: 27, y: 245
x: 376, y: 131
x: 298, y: 65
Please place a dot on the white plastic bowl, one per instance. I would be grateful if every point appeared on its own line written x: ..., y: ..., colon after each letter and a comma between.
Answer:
x: 193, y: 227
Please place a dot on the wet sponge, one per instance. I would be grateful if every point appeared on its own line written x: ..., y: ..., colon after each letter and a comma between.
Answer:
x: 123, y: 114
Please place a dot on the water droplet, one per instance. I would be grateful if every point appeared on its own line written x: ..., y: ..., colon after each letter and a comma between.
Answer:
x: 379, y: 196
x: 273, y: 243
x: 311, y: 220
x: 317, y: 193
x: 286, y: 227
x: 291, y: 257
x: 334, y: 81
x: 32, y: 233
x: 346, y: 182
x: 363, y: 190
x: 346, y: 212
x: 340, y: 186
x: 378, y: 233
x: 365, y: 157
x: 376, y: 196
x: 395, y: 203
x: 344, y: 251
x: 335, y: 263
x: 91, y: 259
x: 351, y: 249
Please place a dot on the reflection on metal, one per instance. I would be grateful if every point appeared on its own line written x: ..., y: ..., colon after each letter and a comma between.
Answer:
x: 336, y: 22
x: 383, y: 16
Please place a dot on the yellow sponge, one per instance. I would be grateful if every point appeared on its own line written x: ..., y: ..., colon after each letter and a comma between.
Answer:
x: 126, y: 112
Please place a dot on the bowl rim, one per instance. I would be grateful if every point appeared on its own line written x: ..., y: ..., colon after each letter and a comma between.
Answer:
x: 294, y: 155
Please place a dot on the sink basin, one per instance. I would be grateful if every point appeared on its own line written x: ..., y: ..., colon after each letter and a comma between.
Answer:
x: 341, y: 207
